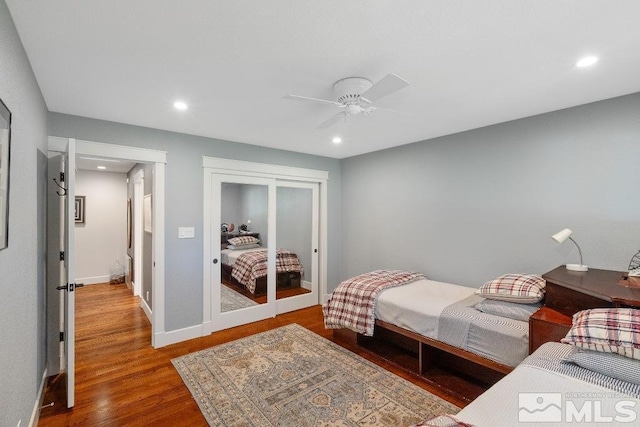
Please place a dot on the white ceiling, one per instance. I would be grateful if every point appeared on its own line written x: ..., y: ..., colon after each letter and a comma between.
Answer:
x: 469, y: 63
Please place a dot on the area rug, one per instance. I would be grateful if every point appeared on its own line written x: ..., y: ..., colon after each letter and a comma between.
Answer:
x: 231, y: 300
x: 290, y: 376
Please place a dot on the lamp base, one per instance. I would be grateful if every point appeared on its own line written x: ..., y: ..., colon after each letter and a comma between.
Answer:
x: 577, y: 267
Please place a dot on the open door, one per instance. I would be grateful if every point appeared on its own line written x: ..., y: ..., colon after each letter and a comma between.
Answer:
x: 69, y: 286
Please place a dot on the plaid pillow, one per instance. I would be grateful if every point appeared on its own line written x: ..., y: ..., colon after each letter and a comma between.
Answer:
x: 442, y: 421
x: 242, y: 240
x: 609, y: 330
x: 520, y: 288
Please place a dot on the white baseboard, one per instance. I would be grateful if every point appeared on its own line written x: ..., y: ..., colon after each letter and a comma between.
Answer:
x: 146, y: 309
x: 93, y: 280
x: 172, y: 337
x: 35, y: 414
x: 325, y: 298
x: 305, y: 285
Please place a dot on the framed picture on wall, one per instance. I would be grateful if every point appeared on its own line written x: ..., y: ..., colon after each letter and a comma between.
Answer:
x: 148, y: 226
x: 79, y: 211
x: 5, y: 140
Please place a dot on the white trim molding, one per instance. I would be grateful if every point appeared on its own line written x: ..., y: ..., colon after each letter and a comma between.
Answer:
x: 163, y: 339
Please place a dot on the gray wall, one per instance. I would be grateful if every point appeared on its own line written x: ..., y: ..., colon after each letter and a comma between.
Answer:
x: 22, y: 355
x: 184, y: 208
x: 467, y: 207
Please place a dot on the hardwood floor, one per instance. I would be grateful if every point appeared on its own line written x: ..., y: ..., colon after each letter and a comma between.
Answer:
x: 122, y: 380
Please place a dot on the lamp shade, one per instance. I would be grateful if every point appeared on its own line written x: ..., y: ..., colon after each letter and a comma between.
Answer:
x: 562, y: 236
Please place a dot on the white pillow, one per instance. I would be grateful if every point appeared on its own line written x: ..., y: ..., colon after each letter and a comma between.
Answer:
x: 508, y: 309
x: 247, y: 246
x: 610, y: 364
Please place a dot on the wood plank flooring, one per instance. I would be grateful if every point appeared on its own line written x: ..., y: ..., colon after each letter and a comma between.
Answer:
x: 122, y: 380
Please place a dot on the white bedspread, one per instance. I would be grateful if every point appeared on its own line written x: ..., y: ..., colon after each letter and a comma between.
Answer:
x: 417, y: 306
x: 230, y: 256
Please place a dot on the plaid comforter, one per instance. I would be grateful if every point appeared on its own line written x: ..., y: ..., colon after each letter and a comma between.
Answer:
x: 352, y: 303
x: 251, y: 265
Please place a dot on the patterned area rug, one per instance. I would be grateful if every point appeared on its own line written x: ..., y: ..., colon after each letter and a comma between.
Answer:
x: 290, y: 376
x: 231, y: 300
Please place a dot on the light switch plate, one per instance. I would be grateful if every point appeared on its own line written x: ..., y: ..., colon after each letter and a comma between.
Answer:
x: 186, y: 232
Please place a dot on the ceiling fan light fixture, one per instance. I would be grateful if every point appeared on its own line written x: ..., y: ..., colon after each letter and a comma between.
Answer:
x: 336, y: 140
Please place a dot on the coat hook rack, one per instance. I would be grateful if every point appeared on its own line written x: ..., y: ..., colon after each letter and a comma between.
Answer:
x: 64, y: 190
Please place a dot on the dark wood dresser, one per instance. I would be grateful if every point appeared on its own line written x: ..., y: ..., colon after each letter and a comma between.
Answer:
x: 571, y: 291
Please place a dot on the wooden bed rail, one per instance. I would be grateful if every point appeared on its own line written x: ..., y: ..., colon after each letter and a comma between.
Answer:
x: 458, y: 372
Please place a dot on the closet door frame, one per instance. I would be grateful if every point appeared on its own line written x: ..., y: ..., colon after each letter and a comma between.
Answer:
x: 216, y: 165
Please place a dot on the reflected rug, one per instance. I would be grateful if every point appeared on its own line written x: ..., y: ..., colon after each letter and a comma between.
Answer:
x: 290, y: 376
x: 231, y: 300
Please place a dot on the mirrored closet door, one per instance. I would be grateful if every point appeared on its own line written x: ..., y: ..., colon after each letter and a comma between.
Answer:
x: 297, y: 245
x: 263, y: 245
x: 243, y: 257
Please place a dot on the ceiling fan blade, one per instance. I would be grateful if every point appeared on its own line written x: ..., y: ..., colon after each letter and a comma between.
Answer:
x: 332, y: 120
x: 391, y: 111
x: 389, y: 84
x: 306, y: 98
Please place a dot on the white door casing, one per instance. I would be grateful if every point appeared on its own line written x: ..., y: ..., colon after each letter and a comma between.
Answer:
x: 158, y: 159
x: 69, y: 261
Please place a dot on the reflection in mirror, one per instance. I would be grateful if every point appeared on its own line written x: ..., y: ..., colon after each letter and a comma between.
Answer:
x: 244, y: 238
x: 5, y: 139
x: 294, y: 238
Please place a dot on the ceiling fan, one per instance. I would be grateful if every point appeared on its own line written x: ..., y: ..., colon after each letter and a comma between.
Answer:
x: 355, y: 95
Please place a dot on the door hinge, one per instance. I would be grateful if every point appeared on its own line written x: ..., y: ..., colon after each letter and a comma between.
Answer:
x: 61, y: 176
x: 61, y: 255
x: 61, y: 336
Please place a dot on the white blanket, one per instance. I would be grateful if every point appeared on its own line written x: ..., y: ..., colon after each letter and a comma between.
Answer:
x: 417, y: 306
x: 229, y: 256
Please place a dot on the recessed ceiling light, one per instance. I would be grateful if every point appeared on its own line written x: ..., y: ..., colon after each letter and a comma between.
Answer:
x: 337, y: 140
x: 179, y: 105
x: 102, y: 167
x: 587, y: 61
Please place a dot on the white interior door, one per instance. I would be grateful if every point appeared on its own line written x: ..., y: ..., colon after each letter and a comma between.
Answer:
x: 69, y: 262
x: 297, y: 220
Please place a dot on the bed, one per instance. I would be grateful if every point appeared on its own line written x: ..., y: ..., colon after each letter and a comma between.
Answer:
x: 438, y: 324
x: 246, y: 268
x: 546, y: 390
x: 592, y: 376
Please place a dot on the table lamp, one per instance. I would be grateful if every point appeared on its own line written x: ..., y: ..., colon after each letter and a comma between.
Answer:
x: 561, y: 237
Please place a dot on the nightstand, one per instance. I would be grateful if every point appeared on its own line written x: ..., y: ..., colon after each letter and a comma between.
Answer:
x: 568, y: 292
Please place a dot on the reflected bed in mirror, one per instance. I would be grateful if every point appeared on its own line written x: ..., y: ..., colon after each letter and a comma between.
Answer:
x: 5, y: 141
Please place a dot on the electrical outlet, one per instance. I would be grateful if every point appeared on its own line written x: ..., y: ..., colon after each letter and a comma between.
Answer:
x: 147, y: 298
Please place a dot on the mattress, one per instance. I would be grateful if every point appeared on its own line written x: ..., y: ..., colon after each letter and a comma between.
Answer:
x: 533, y: 395
x: 229, y: 256
x: 419, y: 307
